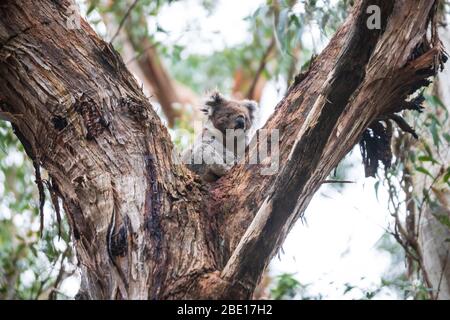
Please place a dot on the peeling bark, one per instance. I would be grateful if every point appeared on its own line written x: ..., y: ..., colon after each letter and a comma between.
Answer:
x: 145, y: 228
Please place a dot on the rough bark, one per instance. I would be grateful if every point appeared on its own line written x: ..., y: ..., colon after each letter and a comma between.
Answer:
x: 145, y: 228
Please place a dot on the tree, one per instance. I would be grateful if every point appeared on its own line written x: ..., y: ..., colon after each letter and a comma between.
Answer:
x: 435, y: 231
x: 145, y: 227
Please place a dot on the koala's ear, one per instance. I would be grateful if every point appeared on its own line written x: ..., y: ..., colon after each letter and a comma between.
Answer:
x: 213, y: 101
x: 252, y: 107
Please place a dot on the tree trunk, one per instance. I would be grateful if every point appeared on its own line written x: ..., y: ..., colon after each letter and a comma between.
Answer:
x: 146, y: 228
x: 434, y: 236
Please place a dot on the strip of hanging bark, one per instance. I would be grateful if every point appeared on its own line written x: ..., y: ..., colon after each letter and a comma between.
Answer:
x: 403, y: 125
x: 375, y: 147
x: 415, y: 104
x: 29, y: 150
x: 40, y: 186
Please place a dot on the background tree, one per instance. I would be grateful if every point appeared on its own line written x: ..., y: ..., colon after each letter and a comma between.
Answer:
x: 419, y: 185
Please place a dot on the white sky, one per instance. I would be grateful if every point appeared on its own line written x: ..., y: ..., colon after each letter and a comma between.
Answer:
x: 206, y: 33
x: 338, y: 242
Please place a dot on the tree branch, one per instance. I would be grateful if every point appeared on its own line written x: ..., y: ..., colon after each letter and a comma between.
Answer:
x: 320, y: 119
x: 262, y: 65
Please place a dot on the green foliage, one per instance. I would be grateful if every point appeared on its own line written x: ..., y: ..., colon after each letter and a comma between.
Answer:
x: 436, y: 122
x: 286, y: 287
x: 183, y: 133
x: 444, y: 219
x: 288, y: 22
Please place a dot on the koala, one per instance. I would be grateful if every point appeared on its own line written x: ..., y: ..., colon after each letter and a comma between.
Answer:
x: 226, y: 133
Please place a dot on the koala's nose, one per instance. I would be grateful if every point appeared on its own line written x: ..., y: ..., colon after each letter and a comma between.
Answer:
x: 239, y: 123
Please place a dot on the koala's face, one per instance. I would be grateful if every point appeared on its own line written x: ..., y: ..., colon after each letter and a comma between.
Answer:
x: 229, y: 114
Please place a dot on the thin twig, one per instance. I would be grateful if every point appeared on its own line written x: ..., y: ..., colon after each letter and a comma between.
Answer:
x: 122, y: 22
x: 337, y: 181
x: 425, y: 198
